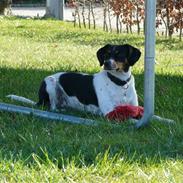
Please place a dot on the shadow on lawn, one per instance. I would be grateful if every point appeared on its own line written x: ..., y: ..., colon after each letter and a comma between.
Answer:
x: 21, y: 136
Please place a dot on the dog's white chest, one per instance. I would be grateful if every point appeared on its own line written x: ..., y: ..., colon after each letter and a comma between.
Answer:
x: 111, y: 95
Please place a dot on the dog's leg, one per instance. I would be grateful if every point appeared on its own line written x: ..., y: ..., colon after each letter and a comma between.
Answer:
x: 61, y: 99
x: 106, y: 105
x: 43, y: 95
x: 51, y: 84
x: 134, y: 100
x: 132, y: 95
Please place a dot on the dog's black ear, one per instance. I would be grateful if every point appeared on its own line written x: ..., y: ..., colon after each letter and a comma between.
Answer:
x: 133, y: 54
x: 101, y: 53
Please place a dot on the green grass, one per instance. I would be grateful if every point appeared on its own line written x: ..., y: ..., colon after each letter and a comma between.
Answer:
x: 36, y: 150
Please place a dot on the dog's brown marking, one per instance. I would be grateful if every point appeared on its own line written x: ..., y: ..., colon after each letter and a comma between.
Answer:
x: 120, y: 66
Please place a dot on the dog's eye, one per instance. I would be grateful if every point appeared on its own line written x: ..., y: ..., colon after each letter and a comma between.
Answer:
x: 117, y: 52
x: 108, y: 51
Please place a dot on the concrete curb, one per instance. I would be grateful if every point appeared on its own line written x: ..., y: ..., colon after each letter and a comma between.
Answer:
x: 29, y: 5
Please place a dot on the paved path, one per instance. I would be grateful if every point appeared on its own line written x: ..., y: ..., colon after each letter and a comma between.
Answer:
x: 38, y: 12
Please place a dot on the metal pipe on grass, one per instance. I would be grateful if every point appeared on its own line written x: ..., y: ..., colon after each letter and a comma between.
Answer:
x: 46, y: 114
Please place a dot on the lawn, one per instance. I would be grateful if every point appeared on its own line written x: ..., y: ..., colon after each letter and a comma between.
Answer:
x: 36, y: 150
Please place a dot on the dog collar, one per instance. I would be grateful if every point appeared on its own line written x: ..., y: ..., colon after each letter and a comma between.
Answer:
x: 118, y: 81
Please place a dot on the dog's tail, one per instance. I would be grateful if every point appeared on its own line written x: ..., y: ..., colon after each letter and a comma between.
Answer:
x: 21, y: 99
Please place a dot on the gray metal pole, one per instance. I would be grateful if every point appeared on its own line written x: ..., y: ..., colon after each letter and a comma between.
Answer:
x: 62, y: 4
x: 149, y: 75
x: 55, y: 8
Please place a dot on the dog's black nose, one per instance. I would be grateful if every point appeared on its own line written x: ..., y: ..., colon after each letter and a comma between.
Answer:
x: 107, y: 65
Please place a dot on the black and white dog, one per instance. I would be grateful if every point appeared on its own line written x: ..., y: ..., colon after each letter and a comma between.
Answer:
x: 99, y: 93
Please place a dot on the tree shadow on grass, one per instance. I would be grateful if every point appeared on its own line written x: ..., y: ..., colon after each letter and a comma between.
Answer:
x: 22, y: 136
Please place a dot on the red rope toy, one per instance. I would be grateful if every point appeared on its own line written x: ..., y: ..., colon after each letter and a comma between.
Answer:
x: 124, y: 112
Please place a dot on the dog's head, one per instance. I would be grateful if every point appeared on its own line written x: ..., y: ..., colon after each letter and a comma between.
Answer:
x: 118, y: 57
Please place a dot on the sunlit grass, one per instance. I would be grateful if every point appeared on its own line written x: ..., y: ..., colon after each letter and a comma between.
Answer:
x: 35, y: 150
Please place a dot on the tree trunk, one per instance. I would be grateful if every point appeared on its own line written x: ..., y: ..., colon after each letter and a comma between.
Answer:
x: 120, y: 26
x: 130, y: 27
x: 127, y: 29
x: 168, y: 24
x: 79, y: 20
x: 138, y: 22
x: 117, y: 23
x: 109, y: 17
x: 74, y: 15
x: 89, y: 15
x: 83, y: 14
x: 144, y: 28
x: 180, y: 34
x: 105, y: 27
x: 130, y: 24
x: 93, y: 15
